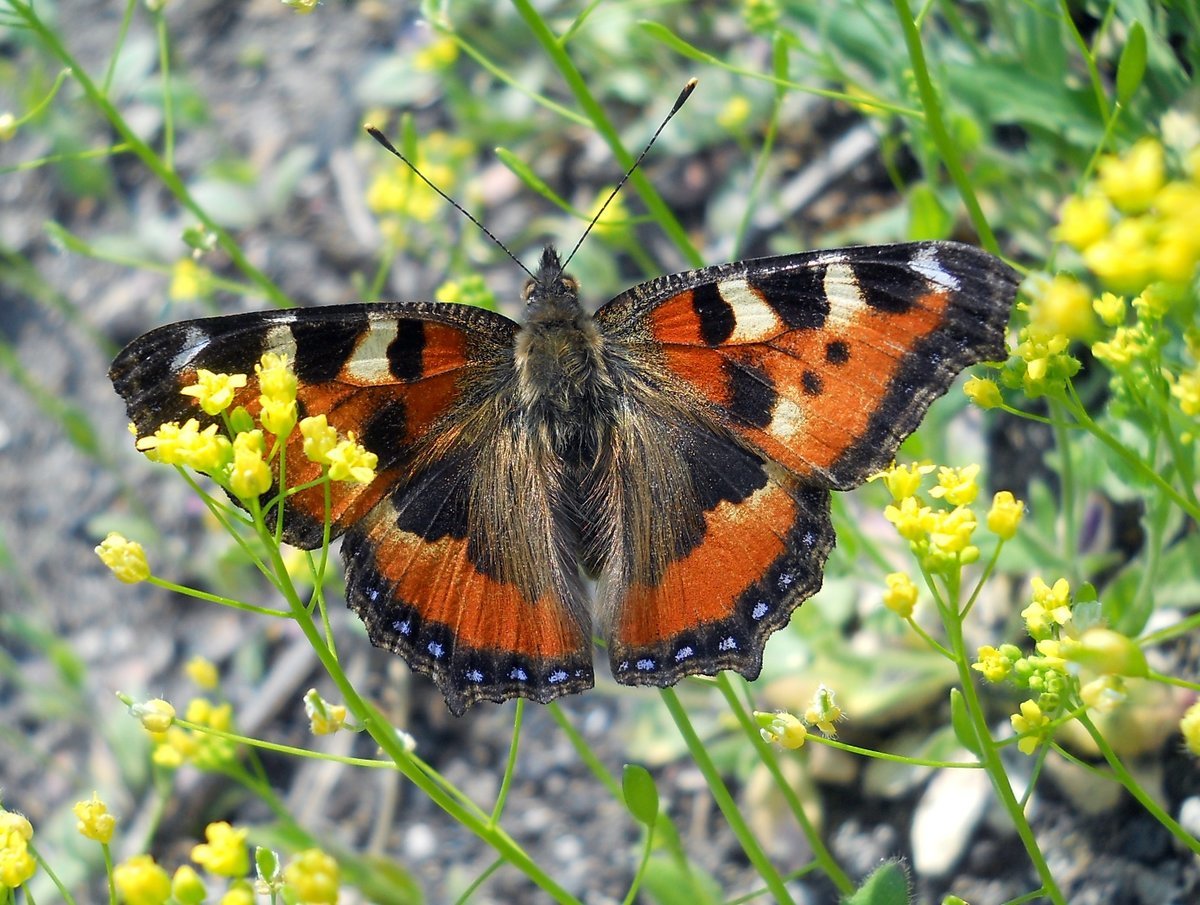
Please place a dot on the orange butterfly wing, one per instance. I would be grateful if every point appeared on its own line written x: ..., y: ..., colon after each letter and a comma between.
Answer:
x: 814, y: 367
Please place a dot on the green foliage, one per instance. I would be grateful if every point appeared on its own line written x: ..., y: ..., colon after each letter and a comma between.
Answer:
x: 990, y: 117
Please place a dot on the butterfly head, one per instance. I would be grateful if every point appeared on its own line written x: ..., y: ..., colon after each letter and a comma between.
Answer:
x: 551, y: 295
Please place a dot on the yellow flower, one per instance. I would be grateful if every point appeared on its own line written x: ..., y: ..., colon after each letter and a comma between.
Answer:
x: 439, y: 54
x: 1190, y: 727
x: 1124, y: 259
x: 156, y: 715
x: 615, y: 219
x: 187, y: 445
x: 8, y: 126
x: 1131, y: 181
x: 313, y: 876
x: 902, y: 481
x: 202, y: 671
x: 1028, y: 723
x: 957, y: 485
x: 276, y: 380
x: 302, y: 7
x: 278, y: 417
x: 901, y: 594
x: 319, y: 439
x: 214, y: 392
x: 1083, y: 220
x: 1111, y: 309
x: 140, y: 881
x: 471, y: 290
x: 348, y: 461
x: 95, y: 822
x: 250, y: 476
x: 323, y: 718
x: 984, y: 393
x: 17, y: 863
x: 224, y: 854
x: 1051, y: 606
x: 736, y: 112
x: 397, y: 191
x: 240, y: 893
x: 823, y: 712
x: 1063, y: 306
x: 124, y: 557
x: 186, y: 886
x: 950, y: 532
x: 1186, y: 389
x: 993, y: 663
x: 1005, y: 515
x: 1127, y: 345
x: 189, y: 281
x: 912, y: 520
x: 782, y: 729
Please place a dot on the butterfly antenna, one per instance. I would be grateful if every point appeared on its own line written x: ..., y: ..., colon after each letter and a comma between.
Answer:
x: 679, y: 102
x: 382, y: 139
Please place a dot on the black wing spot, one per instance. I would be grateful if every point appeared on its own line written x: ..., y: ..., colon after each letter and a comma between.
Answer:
x: 406, y: 353
x: 837, y: 352
x: 384, y: 432
x: 752, y: 395
x: 323, y: 346
x: 813, y: 384
x: 798, y: 296
x: 717, y: 320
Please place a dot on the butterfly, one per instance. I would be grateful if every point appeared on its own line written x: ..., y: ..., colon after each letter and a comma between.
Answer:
x: 678, y: 446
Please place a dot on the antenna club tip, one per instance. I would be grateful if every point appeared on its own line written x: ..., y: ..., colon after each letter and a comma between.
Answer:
x: 369, y: 127
x: 691, y: 84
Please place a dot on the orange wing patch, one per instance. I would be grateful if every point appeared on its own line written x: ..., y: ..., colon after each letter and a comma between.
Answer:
x: 759, y: 559
x: 482, y: 641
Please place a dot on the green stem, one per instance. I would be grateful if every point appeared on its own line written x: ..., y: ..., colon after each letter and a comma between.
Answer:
x: 990, y: 755
x: 1131, y: 785
x: 595, y: 113
x: 1070, y: 540
x: 384, y: 735
x: 937, y: 127
x: 511, y: 765
x: 148, y: 157
x: 766, y: 755
x: 724, y: 800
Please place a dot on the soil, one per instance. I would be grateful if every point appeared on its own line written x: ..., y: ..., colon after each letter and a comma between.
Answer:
x: 284, y: 94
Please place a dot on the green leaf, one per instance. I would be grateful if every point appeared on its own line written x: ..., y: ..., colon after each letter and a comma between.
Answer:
x: 671, y: 881
x: 1132, y: 66
x: 927, y: 216
x: 641, y: 796
x: 523, y: 172
x: 888, y: 885
x: 964, y: 729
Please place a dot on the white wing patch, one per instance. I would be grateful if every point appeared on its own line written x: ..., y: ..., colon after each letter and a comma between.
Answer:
x: 279, y: 339
x: 369, y: 363
x: 754, y: 320
x: 787, y: 420
x: 926, y: 263
x: 845, y: 297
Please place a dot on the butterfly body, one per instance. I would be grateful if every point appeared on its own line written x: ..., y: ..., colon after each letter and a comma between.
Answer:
x: 678, y: 446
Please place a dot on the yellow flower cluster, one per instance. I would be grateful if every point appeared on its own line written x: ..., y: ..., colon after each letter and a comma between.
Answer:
x: 470, y: 290
x: 17, y: 863
x: 174, y: 745
x: 243, y: 465
x: 190, y: 280
x: 1133, y: 226
x: 125, y: 558
x: 225, y: 853
x: 398, y: 191
x: 323, y: 718
x: 790, y: 731
x: 94, y: 821
x: 141, y: 881
x: 941, y: 538
x: 313, y: 877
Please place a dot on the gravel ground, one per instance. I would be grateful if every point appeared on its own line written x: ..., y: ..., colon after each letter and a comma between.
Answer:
x: 285, y: 94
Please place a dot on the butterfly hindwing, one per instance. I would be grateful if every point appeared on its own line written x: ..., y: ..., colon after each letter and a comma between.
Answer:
x: 824, y: 361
